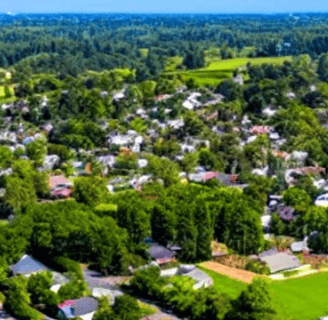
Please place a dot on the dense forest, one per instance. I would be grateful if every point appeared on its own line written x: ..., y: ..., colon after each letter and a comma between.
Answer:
x: 74, y: 43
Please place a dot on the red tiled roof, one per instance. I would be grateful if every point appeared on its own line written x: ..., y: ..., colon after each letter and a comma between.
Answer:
x: 210, y: 175
x: 56, y: 180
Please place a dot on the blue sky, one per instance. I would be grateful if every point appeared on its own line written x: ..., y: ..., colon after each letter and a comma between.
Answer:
x: 165, y: 6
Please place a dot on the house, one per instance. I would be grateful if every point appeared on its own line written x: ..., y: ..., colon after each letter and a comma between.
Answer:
x: 202, y: 176
x: 260, y: 129
x: 83, y: 308
x: 176, y: 124
x: 202, y: 279
x: 218, y: 98
x: 50, y: 162
x: 268, y: 112
x: 60, y: 187
x: 192, y: 102
x: 27, y: 266
x: 238, y: 79
x: 111, y: 294
x: 161, y: 254
x: 280, y: 261
x: 266, y: 221
x: 162, y: 97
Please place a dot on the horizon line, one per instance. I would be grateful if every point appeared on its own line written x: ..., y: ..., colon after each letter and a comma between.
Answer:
x: 9, y: 13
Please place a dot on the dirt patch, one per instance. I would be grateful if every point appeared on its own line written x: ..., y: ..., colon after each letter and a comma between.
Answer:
x: 241, y: 275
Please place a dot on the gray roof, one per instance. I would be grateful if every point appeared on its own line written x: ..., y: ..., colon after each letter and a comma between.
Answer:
x: 84, y: 306
x: 281, y: 261
x: 159, y: 252
x: 270, y: 252
x: 27, y: 265
x: 197, y: 275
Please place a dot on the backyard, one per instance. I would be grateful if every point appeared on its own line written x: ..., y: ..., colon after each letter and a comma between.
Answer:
x: 303, y: 298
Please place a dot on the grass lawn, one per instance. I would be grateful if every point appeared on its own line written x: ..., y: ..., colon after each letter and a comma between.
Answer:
x: 225, y: 284
x: 303, y: 298
x: 219, y: 70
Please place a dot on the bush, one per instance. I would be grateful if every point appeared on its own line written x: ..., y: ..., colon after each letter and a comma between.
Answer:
x: 258, y: 267
x: 290, y: 273
x: 63, y: 264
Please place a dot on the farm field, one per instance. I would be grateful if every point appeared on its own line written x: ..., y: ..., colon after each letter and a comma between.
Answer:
x: 219, y: 70
x: 238, y: 274
x: 303, y: 298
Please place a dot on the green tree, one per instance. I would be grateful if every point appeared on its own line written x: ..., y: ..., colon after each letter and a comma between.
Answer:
x: 297, y: 198
x: 204, y: 232
x: 37, y: 150
x: 254, y: 303
x: 126, y: 308
x: 89, y: 190
x: 164, y: 169
x: 190, y: 161
x: 19, y: 194
x: 163, y: 224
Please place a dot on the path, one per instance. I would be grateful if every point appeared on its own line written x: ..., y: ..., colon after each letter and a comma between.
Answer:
x: 160, y: 316
x: 241, y: 275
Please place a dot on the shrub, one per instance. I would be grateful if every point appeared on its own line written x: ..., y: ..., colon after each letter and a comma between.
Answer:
x: 258, y: 267
x: 63, y: 264
x: 290, y: 273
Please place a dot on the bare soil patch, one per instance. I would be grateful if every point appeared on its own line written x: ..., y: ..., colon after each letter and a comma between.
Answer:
x: 241, y: 275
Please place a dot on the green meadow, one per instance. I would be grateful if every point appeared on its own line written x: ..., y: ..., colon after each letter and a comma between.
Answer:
x: 217, y: 71
x: 303, y: 298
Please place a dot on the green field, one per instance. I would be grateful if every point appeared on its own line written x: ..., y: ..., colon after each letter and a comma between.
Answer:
x: 304, y: 298
x: 218, y: 70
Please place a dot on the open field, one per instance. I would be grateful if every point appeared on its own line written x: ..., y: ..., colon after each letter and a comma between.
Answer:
x: 303, y: 298
x: 219, y: 70
x: 241, y: 275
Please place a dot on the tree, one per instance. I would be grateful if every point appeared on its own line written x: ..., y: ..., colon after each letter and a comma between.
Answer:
x: 254, y: 303
x: 164, y: 169
x: 19, y: 194
x: 297, y: 198
x: 186, y: 234
x: 126, y: 308
x: 204, y: 231
x: 163, y: 225
x: 190, y: 161
x: 89, y: 190
x: 39, y: 289
x: 74, y: 289
x: 37, y: 150
x: 194, y: 57
x: 323, y: 67
x: 209, y: 304
x: 6, y: 157
x: 18, y: 300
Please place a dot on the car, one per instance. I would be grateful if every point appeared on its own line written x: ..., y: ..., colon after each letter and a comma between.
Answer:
x: 322, y: 201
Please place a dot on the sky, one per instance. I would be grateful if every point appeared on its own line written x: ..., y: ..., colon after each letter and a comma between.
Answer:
x: 164, y: 6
